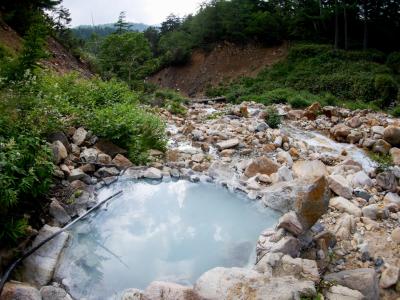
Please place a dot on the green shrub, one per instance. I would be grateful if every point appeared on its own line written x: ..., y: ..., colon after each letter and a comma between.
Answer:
x: 130, y: 127
x: 277, y: 96
x: 387, y: 88
x: 393, y: 62
x: 272, y: 118
x: 329, y: 99
x: 299, y: 101
x: 395, y: 112
x: 26, y: 174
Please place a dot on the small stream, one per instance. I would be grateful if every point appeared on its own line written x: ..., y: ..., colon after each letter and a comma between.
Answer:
x: 171, y: 231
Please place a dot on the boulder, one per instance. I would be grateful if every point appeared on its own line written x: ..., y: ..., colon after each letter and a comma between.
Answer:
x: 60, y: 136
x: 109, y: 148
x: 363, y: 280
x: 390, y: 276
x: 391, y: 134
x: 19, y: 291
x: 312, y: 111
x: 381, y: 146
x: 237, y: 283
x: 227, y: 144
x: 122, y: 162
x: 309, y: 169
x: 395, y: 153
x: 284, y: 157
x: 152, y: 173
x: 339, y: 292
x: 76, y: 174
x: 291, y: 223
x: 159, y: 290
x: 59, y: 152
x: 284, y: 174
x: 261, y: 165
x: 133, y: 294
x: 308, y: 199
x: 340, y: 132
x: 104, y: 159
x: 340, y: 186
x: 387, y: 181
x: 395, y: 235
x: 38, y: 268
x: 89, y: 155
x: 221, y: 171
x: 271, y: 242
x: 375, y: 212
x: 361, y: 179
x: 54, y: 293
x: 354, y: 122
x: 344, y: 205
x: 345, y: 225
x: 58, y: 213
x: 106, y: 172
x: 79, y: 136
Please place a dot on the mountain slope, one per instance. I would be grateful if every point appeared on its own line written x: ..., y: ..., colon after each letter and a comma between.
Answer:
x: 225, y: 62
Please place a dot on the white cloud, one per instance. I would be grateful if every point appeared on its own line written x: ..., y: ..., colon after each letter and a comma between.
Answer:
x: 144, y: 11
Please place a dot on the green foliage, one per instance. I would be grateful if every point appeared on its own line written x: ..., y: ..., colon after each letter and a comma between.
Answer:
x: 387, y: 89
x: 127, y: 56
x: 273, y: 119
x: 129, y: 127
x: 384, y: 161
x: 396, y: 112
x: 175, y: 47
x: 318, y: 73
x: 393, y: 62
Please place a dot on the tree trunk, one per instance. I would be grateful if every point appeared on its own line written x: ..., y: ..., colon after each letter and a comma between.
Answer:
x: 336, y: 25
x: 346, y: 41
x: 365, y: 39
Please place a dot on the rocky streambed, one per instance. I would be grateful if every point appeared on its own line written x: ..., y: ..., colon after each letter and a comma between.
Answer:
x: 339, y: 234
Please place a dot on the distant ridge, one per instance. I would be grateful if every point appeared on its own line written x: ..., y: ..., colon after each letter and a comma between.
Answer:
x: 85, y: 31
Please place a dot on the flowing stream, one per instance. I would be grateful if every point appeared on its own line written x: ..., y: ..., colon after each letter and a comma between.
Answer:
x: 172, y: 231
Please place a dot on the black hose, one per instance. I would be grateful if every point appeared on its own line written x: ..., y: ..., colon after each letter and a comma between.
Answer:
x: 29, y: 252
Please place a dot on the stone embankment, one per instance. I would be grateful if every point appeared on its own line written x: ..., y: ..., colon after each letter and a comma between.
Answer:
x: 339, y: 234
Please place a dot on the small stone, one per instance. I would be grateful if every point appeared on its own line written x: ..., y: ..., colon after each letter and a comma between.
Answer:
x: 374, y: 212
x: 107, y: 172
x: 309, y: 169
x: 122, y: 162
x: 390, y: 276
x: 104, y: 159
x: 391, y: 134
x: 59, y: 213
x: 291, y: 223
x: 89, y: 155
x: 395, y: 153
x: 59, y: 152
x: 76, y: 174
x: 54, y: 293
x: 19, y: 291
x: 261, y: 165
x: 344, y: 205
x: 381, y: 146
x: 227, y: 144
x: 396, y: 235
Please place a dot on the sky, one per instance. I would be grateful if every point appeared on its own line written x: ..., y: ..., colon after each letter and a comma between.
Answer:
x: 150, y: 12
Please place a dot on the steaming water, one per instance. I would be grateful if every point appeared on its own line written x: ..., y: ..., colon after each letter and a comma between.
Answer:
x: 170, y: 231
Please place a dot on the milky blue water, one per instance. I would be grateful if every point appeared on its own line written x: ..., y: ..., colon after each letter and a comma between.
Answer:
x: 172, y: 231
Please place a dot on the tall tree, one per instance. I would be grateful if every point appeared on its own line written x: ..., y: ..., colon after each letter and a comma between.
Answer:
x: 346, y: 38
x: 121, y: 25
x: 336, y: 24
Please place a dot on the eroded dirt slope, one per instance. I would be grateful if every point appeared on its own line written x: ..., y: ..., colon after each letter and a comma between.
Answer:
x: 225, y: 62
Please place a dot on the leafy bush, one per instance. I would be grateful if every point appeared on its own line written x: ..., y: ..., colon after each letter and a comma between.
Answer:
x: 26, y: 174
x: 387, y: 88
x: 299, y: 101
x: 272, y: 118
x: 393, y: 62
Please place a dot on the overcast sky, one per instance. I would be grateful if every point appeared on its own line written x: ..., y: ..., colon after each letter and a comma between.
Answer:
x: 139, y: 11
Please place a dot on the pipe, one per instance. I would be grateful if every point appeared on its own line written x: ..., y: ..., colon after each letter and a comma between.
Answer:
x: 32, y: 250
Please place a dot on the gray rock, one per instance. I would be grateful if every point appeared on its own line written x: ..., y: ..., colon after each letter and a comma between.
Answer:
x: 344, y: 205
x: 363, y: 280
x: 122, y: 162
x: 76, y: 174
x: 340, y: 186
x: 381, y: 146
x: 262, y: 127
x: 89, y: 155
x: 387, y: 181
x: 391, y: 134
x: 133, y: 294
x: 309, y: 169
x: 79, y: 136
x: 19, y: 291
x: 238, y: 283
x: 344, y: 227
x: 159, y: 290
x: 59, y: 136
x: 361, y: 179
x: 274, y: 243
x: 221, y: 171
x: 339, y: 292
x: 291, y: 223
x: 106, y: 172
x: 390, y: 276
x: 54, y: 293
x: 227, y: 144
x: 58, y: 213
x: 38, y: 268
x: 285, y: 174
x: 375, y: 212
x: 59, y: 152
x: 152, y: 173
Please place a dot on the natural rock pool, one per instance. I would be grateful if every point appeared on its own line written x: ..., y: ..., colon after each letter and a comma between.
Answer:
x: 170, y: 231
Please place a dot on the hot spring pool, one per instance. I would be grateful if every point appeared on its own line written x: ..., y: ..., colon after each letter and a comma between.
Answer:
x: 171, y: 231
